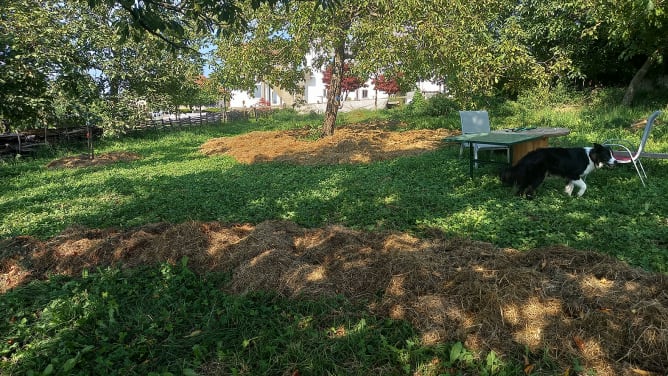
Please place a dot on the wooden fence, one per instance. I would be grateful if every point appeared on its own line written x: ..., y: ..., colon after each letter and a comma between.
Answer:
x: 183, y: 121
x: 204, y: 118
x: 29, y: 140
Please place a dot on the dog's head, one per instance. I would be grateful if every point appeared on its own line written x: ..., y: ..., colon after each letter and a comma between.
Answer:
x: 506, y: 176
x: 602, y: 156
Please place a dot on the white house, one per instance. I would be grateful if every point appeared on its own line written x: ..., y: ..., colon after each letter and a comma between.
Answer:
x: 314, y: 95
x: 244, y: 99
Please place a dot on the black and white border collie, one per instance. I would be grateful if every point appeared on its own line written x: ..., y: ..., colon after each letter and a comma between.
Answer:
x: 573, y: 164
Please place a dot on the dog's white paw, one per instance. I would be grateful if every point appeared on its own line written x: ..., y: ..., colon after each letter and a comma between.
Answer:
x: 582, y: 187
x: 569, y: 189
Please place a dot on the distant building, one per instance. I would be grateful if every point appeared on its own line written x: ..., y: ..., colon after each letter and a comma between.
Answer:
x: 314, y: 95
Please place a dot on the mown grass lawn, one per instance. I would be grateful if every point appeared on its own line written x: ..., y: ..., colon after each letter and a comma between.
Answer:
x: 155, y: 321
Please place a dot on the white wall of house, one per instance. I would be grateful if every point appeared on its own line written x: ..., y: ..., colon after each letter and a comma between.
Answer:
x: 314, y: 89
x: 430, y: 87
x: 242, y: 99
x: 315, y: 94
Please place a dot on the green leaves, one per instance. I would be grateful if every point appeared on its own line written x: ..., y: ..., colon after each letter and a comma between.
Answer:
x: 168, y: 20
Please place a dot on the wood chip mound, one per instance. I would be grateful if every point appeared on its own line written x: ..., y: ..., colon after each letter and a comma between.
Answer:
x: 573, y: 304
x: 359, y: 143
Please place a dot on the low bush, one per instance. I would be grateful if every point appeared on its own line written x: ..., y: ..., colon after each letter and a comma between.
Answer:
x: 441, y: 105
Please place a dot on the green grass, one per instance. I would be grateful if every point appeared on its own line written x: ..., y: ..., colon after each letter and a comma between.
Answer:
x: 173, y: 182
x: 165, y: 319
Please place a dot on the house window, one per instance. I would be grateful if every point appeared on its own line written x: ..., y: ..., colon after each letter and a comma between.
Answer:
x: 365, y: 93
x: 258, y: 91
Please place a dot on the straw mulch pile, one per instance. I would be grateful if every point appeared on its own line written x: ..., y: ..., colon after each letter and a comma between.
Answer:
x: 575, y: 304
x: 357, y: 143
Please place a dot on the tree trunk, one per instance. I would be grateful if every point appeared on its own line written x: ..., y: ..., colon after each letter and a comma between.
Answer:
x: 635, y: 82
x: 334, y: 91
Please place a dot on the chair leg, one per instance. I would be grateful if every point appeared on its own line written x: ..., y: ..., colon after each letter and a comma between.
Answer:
x: 642, y: 168
x: 640, y: 175
x: 475, y: 155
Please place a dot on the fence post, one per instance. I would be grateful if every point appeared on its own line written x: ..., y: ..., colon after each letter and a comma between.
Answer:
x: 89, y: 137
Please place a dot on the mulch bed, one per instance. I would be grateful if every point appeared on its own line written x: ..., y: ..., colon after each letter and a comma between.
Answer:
x: 359, y: 143
x: 570, y: 303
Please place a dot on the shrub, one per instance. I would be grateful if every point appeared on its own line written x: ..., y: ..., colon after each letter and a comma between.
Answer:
x: 418, y: 106
x: 441, y: 105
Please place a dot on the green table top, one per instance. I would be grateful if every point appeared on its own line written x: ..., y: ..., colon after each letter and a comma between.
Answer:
x: 493, y: 138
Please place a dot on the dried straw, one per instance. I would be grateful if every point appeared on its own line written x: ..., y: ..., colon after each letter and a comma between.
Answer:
x: 571, y: 303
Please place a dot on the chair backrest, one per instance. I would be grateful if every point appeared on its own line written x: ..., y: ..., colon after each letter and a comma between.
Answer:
x: 646, y: 132
x: 474, y: 122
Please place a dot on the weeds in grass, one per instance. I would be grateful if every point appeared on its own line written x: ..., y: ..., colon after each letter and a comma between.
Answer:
x: 164, y: 319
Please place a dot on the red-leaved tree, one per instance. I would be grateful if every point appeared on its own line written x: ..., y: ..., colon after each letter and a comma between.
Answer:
x: 348, y: 82
x: 388, y: 85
